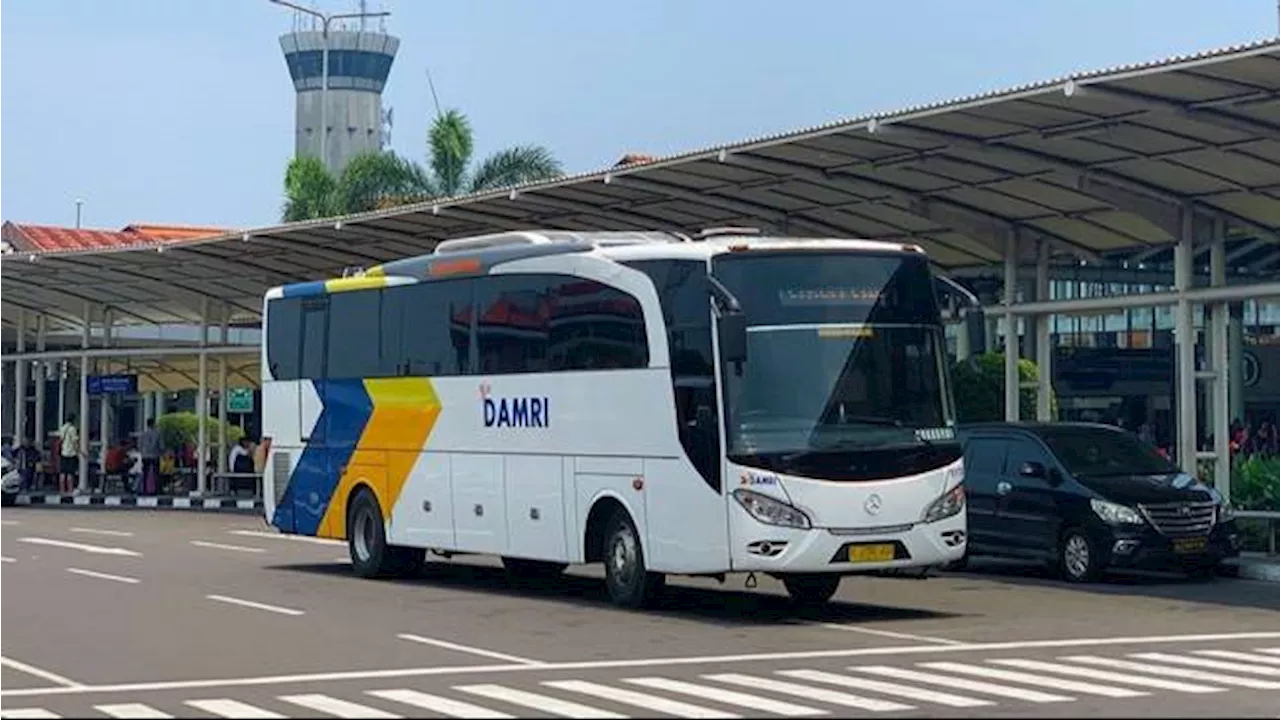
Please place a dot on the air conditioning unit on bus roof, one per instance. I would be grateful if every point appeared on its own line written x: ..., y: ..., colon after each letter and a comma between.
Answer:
x: 493, y: 240
x: 726, y: 231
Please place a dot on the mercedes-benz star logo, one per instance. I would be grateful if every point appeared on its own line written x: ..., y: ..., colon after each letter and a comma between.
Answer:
x: 872, y: 505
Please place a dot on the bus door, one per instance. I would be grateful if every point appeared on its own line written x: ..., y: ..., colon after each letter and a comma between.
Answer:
x: 312, y: 470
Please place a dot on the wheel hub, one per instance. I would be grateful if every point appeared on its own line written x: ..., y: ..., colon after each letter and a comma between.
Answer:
x: 363, y: 536
x: 622, y: 557
x: 1076, y: 556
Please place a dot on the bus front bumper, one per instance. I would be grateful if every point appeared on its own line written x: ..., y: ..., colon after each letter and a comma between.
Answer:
x: 853, y: 551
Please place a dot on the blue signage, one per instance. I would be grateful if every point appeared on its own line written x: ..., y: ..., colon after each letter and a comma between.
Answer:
x: 112, y: 384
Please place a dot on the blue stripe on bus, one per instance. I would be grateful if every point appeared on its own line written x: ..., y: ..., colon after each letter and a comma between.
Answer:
x: 305, y: 289
x: 346, y: 409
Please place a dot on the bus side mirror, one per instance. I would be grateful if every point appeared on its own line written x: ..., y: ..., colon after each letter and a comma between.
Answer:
x: 733, y: 337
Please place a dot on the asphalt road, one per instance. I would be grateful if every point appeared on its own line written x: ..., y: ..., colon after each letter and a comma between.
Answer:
x: 134, y: 613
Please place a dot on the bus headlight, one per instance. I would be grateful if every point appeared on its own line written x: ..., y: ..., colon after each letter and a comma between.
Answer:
x: 770, y: 511
x: 951, y: 503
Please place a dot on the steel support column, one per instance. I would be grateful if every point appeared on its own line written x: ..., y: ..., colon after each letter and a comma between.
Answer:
x: 42, y: 379
x: 222, y: 395
x: 104, y: 400
x: 20, y: 383
x: 1011, y: 380
x: 1220, y: 365
x: 202, y: 401
x: 1185, y: 341
x: 1044, y: 341
x: 1235, y: 342
x: 83, y: 483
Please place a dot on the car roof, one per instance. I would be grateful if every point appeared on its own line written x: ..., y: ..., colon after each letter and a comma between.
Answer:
x: 1035, y: 428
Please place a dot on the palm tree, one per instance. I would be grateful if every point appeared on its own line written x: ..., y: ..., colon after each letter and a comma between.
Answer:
x: 383, y: 179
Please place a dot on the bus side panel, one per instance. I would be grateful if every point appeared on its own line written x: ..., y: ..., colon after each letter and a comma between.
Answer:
x: 535, y: 522
x: 688, y: 527
x: 423, y: 514
x: 479, y: 512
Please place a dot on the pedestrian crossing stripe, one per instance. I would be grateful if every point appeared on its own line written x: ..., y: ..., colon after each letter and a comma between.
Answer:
x: 801, y: 692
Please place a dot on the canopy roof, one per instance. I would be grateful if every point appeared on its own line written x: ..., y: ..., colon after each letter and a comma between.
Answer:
x: 1093, y: 163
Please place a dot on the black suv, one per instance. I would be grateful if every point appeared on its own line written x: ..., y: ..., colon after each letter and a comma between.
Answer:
x: 1085, y: 497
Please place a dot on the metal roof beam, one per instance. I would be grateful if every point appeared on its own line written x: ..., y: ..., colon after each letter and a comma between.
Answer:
x: 1196, y: 112
x: 917, y: 203
x: 1163, y: 215
x: 628, y: 212
x: 775, y: 217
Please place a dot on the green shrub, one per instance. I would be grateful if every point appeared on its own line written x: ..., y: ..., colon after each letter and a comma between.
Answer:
x: 1255, y: 483
x: 978, y: 384
x: 179, y: 429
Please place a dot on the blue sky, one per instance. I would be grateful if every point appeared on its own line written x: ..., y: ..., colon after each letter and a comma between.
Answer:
x: 182, y: 111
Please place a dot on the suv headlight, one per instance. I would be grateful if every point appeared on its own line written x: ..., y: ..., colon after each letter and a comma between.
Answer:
x: 1115, y: 513
x: 1226, y: 512
x: 770, y: 511
x: 949, y: 504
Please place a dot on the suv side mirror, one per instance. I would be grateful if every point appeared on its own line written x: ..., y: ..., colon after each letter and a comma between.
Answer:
x: 1033, y: 470
x: 733, y: 337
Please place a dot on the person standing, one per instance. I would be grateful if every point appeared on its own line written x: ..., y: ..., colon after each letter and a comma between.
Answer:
x: 69, y: 450
x: 149, y: 447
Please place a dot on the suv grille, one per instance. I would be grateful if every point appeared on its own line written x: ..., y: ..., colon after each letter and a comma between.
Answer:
x: 1181, y: 519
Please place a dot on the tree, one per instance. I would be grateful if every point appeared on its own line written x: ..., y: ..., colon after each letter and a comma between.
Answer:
x: 383, y: 179
x: 978, y: 384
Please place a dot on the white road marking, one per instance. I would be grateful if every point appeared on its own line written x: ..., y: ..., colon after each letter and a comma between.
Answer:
x: 541, y: 703
x: 437, y: 704
x: 1053, y: 683
x: 468, y: 649
x: 131, y: 710
x: 104, y: 576
x: 639, y: 699
x: 95, y: 549
x: 1166, y: 671
x: 1208, y: 664
x: 7, y: 559
x: 334, y: 706
x: 42, y: 674
x: 255, y: 605
x: 220, y: 546
x: 888, y: 633
x: 282, y: 536
x: 887, y: 688
x: 1094, y: 674
x: 811, y: 693
x: 232, y: 709
x: 772, y: 657
x: 1232, y: 655
x: 97, y: 531
x: 29, y: 714
x: 1269, y: 651
x: 728, y: 697
x: 10, y: 522
x: 956, y: 683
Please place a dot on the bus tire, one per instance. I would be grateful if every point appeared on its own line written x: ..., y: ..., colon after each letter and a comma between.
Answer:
x: 371, y: 556
x: 628, y: 580
x: 811, y: 590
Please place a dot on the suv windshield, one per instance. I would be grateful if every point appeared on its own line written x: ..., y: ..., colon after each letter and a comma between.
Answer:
x: 1098, y: 452
x: 845, y: 356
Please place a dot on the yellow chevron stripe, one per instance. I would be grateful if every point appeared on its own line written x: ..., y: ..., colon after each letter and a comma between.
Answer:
x: 404, y: 413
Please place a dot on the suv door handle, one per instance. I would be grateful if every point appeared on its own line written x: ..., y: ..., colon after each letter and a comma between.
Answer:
x: 1004, y: 487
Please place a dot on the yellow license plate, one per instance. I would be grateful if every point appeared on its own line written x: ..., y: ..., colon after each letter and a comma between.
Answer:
x: 871, y: 553
x: 1190, y: 545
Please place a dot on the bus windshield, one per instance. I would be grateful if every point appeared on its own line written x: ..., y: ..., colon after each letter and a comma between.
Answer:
x: 845, y: 358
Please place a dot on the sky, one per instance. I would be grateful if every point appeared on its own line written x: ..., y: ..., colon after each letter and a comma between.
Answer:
x: 178, y: 111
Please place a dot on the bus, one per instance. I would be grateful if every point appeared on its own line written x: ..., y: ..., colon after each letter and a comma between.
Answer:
x: 664, y: 404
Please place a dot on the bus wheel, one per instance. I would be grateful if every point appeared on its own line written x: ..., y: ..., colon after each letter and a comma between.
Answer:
x: 523, y: 570
x: 811, y: 589
x: 371, y: 556
x: 629, y: 582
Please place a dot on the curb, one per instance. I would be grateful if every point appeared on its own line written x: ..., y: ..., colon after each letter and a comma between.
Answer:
x: 151, y: 502
x: 1258, y: 569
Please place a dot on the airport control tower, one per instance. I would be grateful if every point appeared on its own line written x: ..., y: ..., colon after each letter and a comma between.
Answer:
x: 360, y: 58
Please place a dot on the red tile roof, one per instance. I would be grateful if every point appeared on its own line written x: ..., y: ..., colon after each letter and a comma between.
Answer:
x: 48, y: 238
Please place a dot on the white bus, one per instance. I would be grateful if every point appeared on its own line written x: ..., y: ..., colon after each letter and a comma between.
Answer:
x: 660, y: 403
